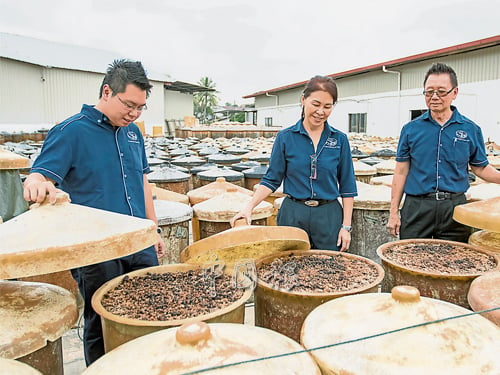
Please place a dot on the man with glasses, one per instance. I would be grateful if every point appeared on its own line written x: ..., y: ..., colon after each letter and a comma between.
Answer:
x: 432, y: 161
x: 97, y: 156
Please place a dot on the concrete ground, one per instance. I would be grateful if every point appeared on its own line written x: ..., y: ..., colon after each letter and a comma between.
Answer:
x: 74, y: 363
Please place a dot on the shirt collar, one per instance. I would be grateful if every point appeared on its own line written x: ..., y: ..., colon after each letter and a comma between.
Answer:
x: 299, y: 128
x: 97, y: 116
x: 455, y: 117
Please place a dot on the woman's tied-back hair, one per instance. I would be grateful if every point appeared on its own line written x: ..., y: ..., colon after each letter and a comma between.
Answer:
x: 440, y: 68
x: 123, y: 72
x: 321, y: 83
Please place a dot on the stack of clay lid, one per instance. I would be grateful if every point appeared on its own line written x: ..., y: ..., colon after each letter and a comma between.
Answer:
x: 222, y: 347
x: 51, y: 238
x: 407, y: 338
x: 386, y: 167
x: 213, y: 189
x: 167, y: 195
x: 363, y: 172
x: 230, y: 175
x: 245, y: 242
x: 10, y: 366
x: 483, y: 214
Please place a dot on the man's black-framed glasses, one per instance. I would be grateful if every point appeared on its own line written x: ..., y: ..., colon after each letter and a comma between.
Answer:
x: 314, y: 167
x: 131, y: 107
x: 439, y: 93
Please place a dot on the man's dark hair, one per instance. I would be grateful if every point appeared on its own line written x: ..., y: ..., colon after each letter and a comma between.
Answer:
x: 123, y: 72
x: 440, y: 68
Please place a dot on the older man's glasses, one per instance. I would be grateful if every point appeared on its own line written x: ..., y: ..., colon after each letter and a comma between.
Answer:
x: 130, y: 107
x: 439, y: 93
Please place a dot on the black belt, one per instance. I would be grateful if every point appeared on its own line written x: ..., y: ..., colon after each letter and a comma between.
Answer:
x: 312, y: 202
x: 439, y: 195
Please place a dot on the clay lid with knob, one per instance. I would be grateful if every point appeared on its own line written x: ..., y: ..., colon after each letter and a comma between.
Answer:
x: 196, y: 346
x: 56, y: 237
x: 11, y: 160
x: 223, y: 207
x: 32, y: 314
x: 483, y: 214
x: 484, y: 294
x: 466, y: 345
x: 219, y: 186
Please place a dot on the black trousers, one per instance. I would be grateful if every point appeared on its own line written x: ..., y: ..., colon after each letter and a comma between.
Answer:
x: 322, y: 223
x: 89, y: 279
x: 430, y: 218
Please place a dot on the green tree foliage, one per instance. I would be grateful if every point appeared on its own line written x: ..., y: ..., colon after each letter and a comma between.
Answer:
x: 205, y: 101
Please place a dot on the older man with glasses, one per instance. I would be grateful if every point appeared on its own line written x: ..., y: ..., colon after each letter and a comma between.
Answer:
x: 432, y: 161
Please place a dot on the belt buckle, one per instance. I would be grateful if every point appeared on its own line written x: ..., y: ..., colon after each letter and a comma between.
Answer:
x: 311, y: 203
x: 440, y: 195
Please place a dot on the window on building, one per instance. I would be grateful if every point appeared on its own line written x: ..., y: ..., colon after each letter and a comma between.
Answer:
x: 268, y: 121
x: 357, y: 122
x: 414, y: 113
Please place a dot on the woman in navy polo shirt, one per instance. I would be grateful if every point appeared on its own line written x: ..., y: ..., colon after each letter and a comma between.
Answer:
x: 313, y: 160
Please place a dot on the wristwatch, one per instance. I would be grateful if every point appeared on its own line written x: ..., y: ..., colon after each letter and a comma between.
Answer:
x: 347, y: 228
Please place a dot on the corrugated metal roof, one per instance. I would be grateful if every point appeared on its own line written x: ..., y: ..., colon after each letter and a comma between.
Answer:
x: 460, y: 48
x: 59, y: 55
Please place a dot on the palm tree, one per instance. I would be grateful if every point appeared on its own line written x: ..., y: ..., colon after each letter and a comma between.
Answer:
x: 205, y: 100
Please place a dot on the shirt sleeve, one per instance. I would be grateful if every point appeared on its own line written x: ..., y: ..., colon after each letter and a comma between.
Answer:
x: 277, y: 165
x: 345, y: 173
x: 55, y: 158
x: 403, y: 151
x: 478, y: 156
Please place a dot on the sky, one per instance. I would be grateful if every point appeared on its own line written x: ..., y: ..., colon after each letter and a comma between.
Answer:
x: 247, y: 46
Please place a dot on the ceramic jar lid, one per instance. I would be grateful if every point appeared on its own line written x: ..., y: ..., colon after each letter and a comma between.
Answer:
x: 467, y: 345
x: 11, y: 160
x: 223, y: 207
x: 172, y: 212
x: 363, y: 169
x: 197, y: 346
x: 32, y: 313
x: 483, y: 214
x: 372, y: 197
x: 483, y: 191
x: 386, y: 166
x: 214, y: 189
x: 245, y: 242
x: 167, y: 195
x: 50, y: 238
x: 168, y: 174
x: 213, y: 173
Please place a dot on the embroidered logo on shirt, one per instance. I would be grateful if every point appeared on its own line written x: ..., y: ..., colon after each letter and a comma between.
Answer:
x: 331, y: 143
x: 462, y: 134
x: 132, y: 135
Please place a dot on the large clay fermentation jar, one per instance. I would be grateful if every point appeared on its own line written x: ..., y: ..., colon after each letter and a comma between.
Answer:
x: 214, y: 214
x: 172, y: 179
x: 369, y: 219
x: 284, y: 310
x: 173, y: 218
x: 33, y: 319
x: 363, y: 172
x: 10, y: 366
x: 12, y: 202
x: 400, y: 333
x: 230, y: 175
x: 484, y: 294
x: 223, y: 348
x: 428, y: 270
x: 118, y: 329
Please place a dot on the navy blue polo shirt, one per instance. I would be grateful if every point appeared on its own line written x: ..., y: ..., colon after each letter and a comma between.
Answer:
x: 439, y: 155
x: 291, y: 158
x: 97, y: 164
